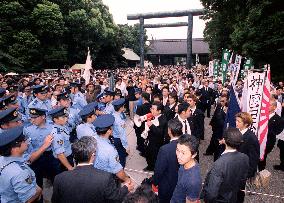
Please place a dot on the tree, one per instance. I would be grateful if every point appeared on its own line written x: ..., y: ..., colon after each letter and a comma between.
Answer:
x: 251, y: 28
x: 37, y: 34
x: 130, y: 37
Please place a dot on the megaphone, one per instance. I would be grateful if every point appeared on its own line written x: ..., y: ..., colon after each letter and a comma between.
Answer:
x: 139, y: 119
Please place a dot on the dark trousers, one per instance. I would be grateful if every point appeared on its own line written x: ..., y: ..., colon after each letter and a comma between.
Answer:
x: 262, y: 163
x: 219, y: 150
x: 140, y: 140
x: 280, y: 145
x: 121, y: 151
x: 151, y: 154
x: 206, y: 107
x: 212, y: 147
x: 45, y: 167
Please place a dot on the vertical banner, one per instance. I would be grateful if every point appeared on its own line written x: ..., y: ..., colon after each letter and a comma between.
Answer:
x: 247, y: 66
x: 264, y: 115
x: 211, y: 68
x: 255, y: 84
x: 225, y: 61
x: 216, y: 69
x: 237, y: 67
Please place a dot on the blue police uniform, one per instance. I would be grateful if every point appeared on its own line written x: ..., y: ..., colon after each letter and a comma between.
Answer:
x: 17, y: 180
x: 61, y: 143
x: 78, y: 101
x: 107, y: 158
x: 109, y: 108
x: 87, y: 129
x: 46, y: 165
x: 73, y: 118
x: 37, y: 103
x: 119, y: 133
x: 61, y: 135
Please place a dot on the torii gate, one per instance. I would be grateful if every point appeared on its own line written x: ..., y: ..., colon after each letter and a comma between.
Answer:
x: 190, y: 13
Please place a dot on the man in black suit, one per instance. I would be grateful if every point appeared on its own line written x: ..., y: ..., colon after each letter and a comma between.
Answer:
x: 156, y: 134
x: 141, y: 111
x: 197, y: 117
x: 183, y: 114
x: 86, y: 183
x: 217, y: 124
x: 166, y: 167
x: 275, y: 127
x: 206, y: 98
x: 229, y: 173
x: 169, y: 110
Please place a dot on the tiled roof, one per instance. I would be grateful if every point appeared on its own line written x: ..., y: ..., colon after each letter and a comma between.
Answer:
x: 177, y: 46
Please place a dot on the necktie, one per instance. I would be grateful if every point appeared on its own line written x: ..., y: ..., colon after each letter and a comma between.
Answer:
x: 185, y: 126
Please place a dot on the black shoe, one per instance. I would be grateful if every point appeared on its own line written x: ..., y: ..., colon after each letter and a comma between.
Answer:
x: 278, y: 167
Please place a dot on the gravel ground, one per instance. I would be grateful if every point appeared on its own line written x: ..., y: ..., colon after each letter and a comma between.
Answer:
x: 135, y: 161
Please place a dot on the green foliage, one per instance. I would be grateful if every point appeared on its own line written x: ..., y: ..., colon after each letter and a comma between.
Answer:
x: 38, y: 34
x: 130, y: 37
x: 252, y: 28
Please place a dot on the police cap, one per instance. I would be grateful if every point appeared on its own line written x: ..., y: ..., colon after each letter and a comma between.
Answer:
x: 104, y: 121
x: 9, y: 115
x: 57, y: 112
x: 89, y: 109
x: 39, y: 89
x: 118, y: 102
x: 63, y: 96
x: 35, y: 112
x: 10, y: 135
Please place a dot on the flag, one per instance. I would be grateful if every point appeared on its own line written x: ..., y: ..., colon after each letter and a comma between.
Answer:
x: 254, y: 97
x: 211, y: 68
x: 216, y: 69
x: 237, y: 64
x: 225, y: 61
x: 233, y: 109
x: 88, y: 66
x: 264, y: 115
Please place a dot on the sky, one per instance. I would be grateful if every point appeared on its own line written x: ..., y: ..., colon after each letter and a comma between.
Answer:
x: 120, y: 8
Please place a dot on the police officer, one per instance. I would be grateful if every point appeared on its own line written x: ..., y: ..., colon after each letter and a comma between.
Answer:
x: 61, y: 146
x: 119, y: 132
x: 73, y: 118
x: 40, y: 154
x: 101, y: 103
x: 78, y: 99
x: 109, y: 95
x: 12, y: 102
x: 88, y: 116
x: 9, y: 118
x: 107, y: 156
x: 14, y: 90
x: 41, y: 101
x: 18, y: 181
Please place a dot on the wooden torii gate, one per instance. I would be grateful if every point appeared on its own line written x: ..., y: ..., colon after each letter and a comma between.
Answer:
x: 190, y: 13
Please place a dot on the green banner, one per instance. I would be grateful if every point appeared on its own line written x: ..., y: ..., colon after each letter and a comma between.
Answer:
x: 248, y: 64
x: 216, y: 69
x: 225, y: 61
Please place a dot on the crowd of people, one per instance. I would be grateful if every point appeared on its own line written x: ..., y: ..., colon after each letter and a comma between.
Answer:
x: 57, y: 126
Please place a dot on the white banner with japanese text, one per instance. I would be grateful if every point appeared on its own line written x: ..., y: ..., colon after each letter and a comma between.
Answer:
x: 255, y: 82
